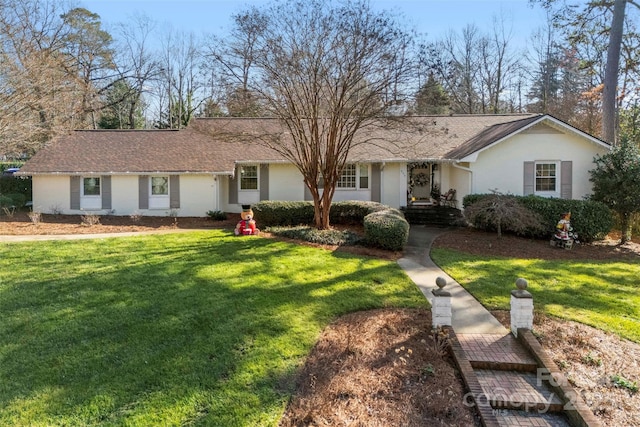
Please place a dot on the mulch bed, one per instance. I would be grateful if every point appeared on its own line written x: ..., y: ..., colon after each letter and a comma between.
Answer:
x: 483, y: 243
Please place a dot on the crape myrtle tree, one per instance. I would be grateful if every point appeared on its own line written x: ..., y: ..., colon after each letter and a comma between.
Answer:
x: 328, y: 71
x: 616, y: 182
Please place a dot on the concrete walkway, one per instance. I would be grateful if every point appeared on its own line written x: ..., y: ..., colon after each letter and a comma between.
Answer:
x: 468, y: 315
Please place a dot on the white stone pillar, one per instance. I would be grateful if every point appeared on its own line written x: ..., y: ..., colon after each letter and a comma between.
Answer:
x: 521, y: 307
x: 440, y: 305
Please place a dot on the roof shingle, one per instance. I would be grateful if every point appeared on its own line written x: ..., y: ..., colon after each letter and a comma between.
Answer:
x: 209, y: 145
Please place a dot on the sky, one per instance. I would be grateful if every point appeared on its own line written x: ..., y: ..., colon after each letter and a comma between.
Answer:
x: 434, y: 18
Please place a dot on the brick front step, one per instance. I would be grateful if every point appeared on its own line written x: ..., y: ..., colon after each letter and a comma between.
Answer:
x: 500, y: 352
x: 509, y: 418
x: 518, y: 390
x: 441, y: 216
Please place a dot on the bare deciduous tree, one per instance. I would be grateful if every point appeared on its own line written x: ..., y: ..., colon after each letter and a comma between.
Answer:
x: 328, y: 71
x: 36, y: 93
x: 138, y: 64
x: 475, y: 68
x: 55, y: 60
x: 231, y: 60
x: 181, y: 78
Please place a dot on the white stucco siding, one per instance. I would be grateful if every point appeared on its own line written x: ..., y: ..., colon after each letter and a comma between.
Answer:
x: 393, y: 184
x: 501, y: 167
x: 124, y: 194
x: 198, y: 194
x: 285, y: 183
x: 51, y: 194
x: 342, y: 195
x: 458, y: 179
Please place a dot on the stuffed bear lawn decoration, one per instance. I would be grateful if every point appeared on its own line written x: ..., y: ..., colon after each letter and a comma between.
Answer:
x: 247, y: 225
x: 564, y: 236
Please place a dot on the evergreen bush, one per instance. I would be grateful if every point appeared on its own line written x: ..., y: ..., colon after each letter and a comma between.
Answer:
x: 591, y: 220
x: 386, y: 229
x: 380, y: 222
x: 16, y: 185
x: 274, y: 212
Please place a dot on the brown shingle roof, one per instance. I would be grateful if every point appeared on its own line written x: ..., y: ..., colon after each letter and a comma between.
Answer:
x: 208, y: 145
x: 488, y: 136
x: 418, y: 138
x: 135, y: 151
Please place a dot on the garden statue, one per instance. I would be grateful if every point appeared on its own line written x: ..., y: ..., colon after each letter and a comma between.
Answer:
x: 564, y: 236
x: 247, y: 225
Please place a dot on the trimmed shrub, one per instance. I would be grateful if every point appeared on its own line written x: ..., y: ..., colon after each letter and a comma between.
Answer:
x: 273, y: 212
x: 5, y: 201
x: 352, y: 211
x: 18, y: 200
x: 313, y: 235
x: 217, y: 215
x: 386, y: 229
x: 15, y: 185
x: 591, y: 220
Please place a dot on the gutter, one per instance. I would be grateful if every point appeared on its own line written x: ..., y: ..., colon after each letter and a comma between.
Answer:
x: 223, y: 173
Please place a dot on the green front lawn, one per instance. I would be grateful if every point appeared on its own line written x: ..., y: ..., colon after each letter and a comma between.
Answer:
x: 603, y: 294
x: 200, y: 328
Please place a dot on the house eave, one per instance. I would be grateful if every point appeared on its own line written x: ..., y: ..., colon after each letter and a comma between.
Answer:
x: 130, y: 173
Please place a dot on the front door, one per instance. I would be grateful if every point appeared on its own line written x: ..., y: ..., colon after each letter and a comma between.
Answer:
x: 421, y: 182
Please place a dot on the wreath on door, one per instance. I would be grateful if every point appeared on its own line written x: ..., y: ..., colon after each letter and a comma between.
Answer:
x: 421, y: 179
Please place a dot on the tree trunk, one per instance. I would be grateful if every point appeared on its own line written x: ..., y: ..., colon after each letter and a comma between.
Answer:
x: 625, y: 228
x: 609, y: 92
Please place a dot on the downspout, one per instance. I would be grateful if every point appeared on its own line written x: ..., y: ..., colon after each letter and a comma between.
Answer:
x: 382, y: 165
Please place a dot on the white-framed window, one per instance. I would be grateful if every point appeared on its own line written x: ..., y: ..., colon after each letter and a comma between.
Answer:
x: 363, y: 177
x: 248, y: 177
x: 347, y: 177
x: 91, y: 186
x: 159, y: 185
x: 159, y: 192
x: 90, y: 193
x: 354, y: 177
x: 546, y: 177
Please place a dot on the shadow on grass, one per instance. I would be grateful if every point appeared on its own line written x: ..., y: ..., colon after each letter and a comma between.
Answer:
x: 171, y: 329
x: 599, y: 293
